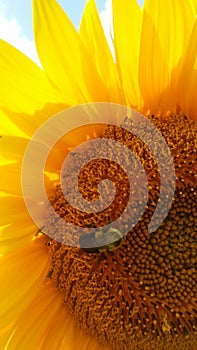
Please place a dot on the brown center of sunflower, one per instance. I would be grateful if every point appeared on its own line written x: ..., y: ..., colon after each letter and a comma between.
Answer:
x: 145, y: 287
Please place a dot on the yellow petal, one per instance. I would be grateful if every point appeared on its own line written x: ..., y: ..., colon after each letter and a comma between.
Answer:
x: 7, y: 127
x: 188, y: 78
x: 166, y: 27
x: 59, y: 327
x: 63, y: 55
x: 12, y: 148
x: 10, y: 179
x: 24, y: 87
x: 92, y: 34
x: 46, y: 324
x: 4, y: 334
x: 26, y: 97
x: 32, y: 325
x: 15, y: 236
x: 22, y: 273
x: 194, y: 3
x: 127, y: 25
x: 13, y: 210
x: 30, y: 123
x: 16, y: 226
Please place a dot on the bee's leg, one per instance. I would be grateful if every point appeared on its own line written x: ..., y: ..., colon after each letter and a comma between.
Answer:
x: 50, y: 274
x: 111, y: 252
x: 102, y: 256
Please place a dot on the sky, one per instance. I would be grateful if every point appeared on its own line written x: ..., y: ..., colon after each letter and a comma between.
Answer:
x: 16, y: 21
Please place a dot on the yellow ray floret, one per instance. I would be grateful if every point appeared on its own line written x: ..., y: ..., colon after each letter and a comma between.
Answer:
x: 166, y: 28
x: 126, y: 43
x: 188, y: 78
x: 22, y: 272
x: 64, y: 57
x: 92, y: 34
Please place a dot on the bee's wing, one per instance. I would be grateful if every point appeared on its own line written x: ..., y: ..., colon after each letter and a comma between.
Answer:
x: 88, y: 241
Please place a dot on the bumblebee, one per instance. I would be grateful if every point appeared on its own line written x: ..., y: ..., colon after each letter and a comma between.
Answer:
x: 101, y: 241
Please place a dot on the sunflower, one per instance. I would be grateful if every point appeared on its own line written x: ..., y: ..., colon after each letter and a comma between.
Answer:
x: 141, y: 294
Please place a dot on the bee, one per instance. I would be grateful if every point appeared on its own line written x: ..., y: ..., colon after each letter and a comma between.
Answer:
x: 101, y: 241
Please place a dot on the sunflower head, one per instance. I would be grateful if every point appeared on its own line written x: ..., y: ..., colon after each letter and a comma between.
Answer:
x: 109, y: 263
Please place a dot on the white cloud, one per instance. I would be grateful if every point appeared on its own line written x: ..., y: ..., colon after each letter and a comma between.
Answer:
x: 107, y: 22
x: 11, y: 31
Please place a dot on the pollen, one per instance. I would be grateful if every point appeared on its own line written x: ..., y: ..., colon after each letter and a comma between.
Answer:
x: 142, y: 295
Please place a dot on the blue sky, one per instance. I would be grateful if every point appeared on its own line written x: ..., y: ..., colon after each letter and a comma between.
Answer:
x: 16, y: 20
x: 21, y: 11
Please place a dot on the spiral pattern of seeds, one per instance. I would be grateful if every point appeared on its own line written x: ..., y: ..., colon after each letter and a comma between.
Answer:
x: 144, y: 295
